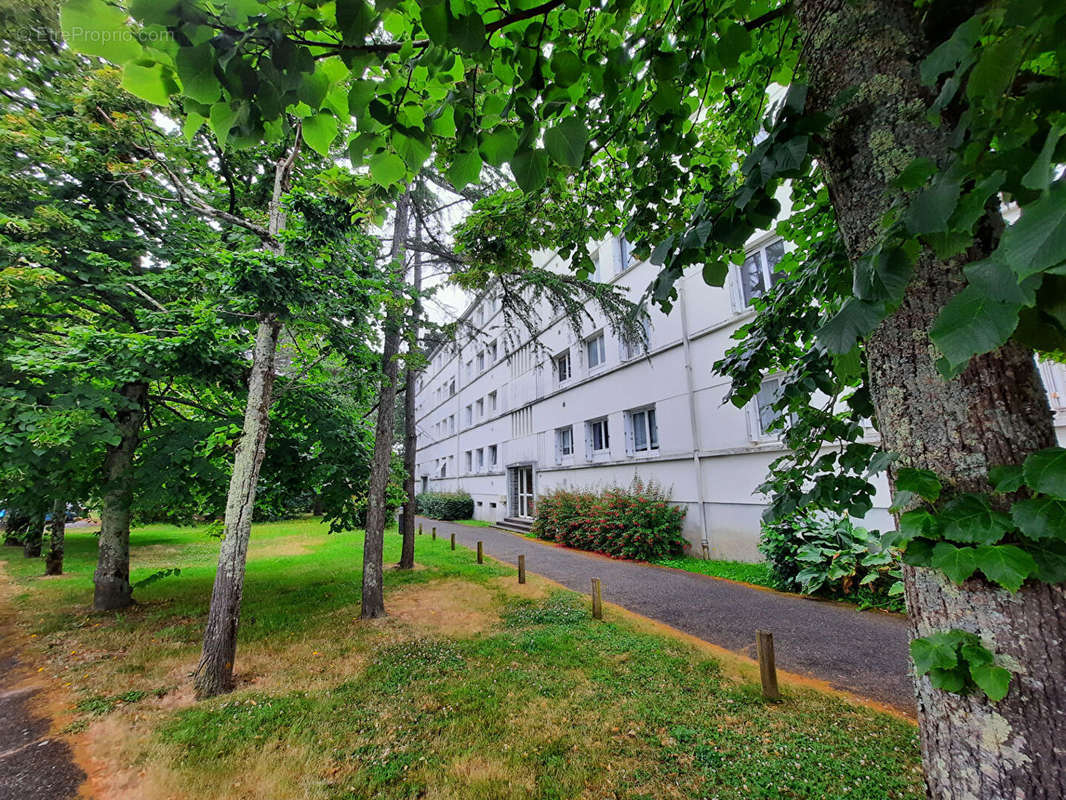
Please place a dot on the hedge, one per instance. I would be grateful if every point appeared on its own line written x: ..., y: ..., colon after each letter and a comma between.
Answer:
x: 637, y: 522
x: 445, y: 505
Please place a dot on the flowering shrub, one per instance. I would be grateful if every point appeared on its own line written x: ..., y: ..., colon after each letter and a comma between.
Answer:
x: 637, y: 522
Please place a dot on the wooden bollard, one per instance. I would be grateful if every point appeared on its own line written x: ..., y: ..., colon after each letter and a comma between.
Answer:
x: 453, y: 541
x: 521, y: 569
x: 597, y: 600
x: 706, y: 551
x: 419, y: 528
x: 764, y: 646
x: 434, y: 533
x: 480, y: 553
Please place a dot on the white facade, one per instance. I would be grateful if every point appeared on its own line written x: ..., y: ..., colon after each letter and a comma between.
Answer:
x: 508, y: 420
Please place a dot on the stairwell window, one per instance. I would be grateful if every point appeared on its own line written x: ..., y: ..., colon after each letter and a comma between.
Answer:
x: 564, y: 442
x: 599, y: 439
x: 595, y: 351
x: 643, y: 433
x: 633, y: 349
x: 756, y: 275
x: 562, y: 367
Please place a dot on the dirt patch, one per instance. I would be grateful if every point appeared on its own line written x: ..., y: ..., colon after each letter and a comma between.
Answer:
x: 452, y: 608
x: 279, y: 547
x: 535, y: 587
x: 489, y: 777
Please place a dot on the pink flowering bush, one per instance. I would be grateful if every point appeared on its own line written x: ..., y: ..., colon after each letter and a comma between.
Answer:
x: 637, y: 522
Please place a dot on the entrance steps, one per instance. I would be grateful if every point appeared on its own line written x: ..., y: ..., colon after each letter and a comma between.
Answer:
x: 517, y: 524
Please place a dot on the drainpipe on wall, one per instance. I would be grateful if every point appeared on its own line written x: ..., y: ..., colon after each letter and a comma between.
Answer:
x: 705, y: 542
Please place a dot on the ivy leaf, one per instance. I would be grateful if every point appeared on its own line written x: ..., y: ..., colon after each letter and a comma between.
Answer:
x: 386, y: 168
x: 969, y: 518
x: 1045, y: 472
x: 923, y: 482
x: 196, y: 69
x: 1050, y: 558
x: 1007, y: 478
x: 1005, y: 564
x: 147, y: 82
x: 970, y: 324
x: 530, y: 170
x: 1041, y: 517
x: 958, y: 563
x: 948, y: 680
x: 319, y: 132
x: 566, y: 141
x: 918, y: 523
x: 992, y: 680
x: 97, y: 28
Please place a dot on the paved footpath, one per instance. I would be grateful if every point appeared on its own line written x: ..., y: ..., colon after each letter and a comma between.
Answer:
x: 862, y: 652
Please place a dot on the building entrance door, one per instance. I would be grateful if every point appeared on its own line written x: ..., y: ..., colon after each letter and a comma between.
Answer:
x: 522, y: 498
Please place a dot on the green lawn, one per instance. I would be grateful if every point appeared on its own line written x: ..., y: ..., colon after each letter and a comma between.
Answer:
x: 757, y: 574
x: 473, y: 687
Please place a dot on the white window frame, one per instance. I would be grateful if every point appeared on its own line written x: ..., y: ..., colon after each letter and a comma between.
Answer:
x: 590, y: 436
x: 557, y: 364
x: 627, y: 351
x: 493, y: 397
x: 564, y: 435
x: 469, y: 412
x: 493, y: 352
x: 468, y: 461
x: 480, y: 358
x: 480, y: 459
x: 480, y: 408
x: 494, y: 454
x: 759, y: 252
x: 756, y: 429
x: 644, y: 420
x: 590, y: 343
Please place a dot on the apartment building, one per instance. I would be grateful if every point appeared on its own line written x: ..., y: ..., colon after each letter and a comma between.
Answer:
x: 507, y: 418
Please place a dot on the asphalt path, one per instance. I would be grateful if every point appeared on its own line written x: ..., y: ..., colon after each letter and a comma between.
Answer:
x: 861, y: 652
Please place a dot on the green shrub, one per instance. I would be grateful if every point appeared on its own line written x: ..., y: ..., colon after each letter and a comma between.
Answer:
x: 637, y: 522
x: 832, y: 557
x: 445, y: 505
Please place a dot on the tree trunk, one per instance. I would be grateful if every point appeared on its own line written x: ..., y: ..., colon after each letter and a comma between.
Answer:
x: 214, y: 673
x: 995, y: 412
x: 374, y: 543
x: 111, y: 580
x: 410, y: 447
x: 15, y: 522
x: 32, y: 543
x: 53, y: 561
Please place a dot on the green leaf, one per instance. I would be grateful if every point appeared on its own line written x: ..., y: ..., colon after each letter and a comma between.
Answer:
x: 1045, y: 472
x: 918, y: 523
x: 854, y: 321
x: 1006, y: 479
x: 1039, y: 175
x: 387, y: 168
x: 931, y: 209
x: 319, y: 132
x: 1041, y: 517
x: 1050, y: 558
x: 566, y: 141
x: 467, y: 32
x: 444, y: 124
x: 567, y: 67
x: 221, y: 120
x: 355, y: 20
x: 992, y: 680
x: 958, y: 563
x: 937, y: 651
x: 148, y: 83
x: 1037, y: 241
x: 413, y: 151
x: 948, y: 680
x: 1005, y: 564
x: 99, y: 29
x: 530, y: 169
x: 999, y: 282
x: 915, y: 174
x: 970, y: 324
x: 196, y: 69
x: 969, y: 518
x: 499, y: 146
x: 465, y: 169
x: 922, y: 482
x: 435, y: 21
x: 733, y: 41
x: 193, y: 123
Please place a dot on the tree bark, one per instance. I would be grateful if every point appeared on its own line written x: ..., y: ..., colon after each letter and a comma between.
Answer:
x: 410, y: 448
x: 111, y: 580
x: 53, y: 561
x: 214, y: 673
x: 33, y: 542
x: 15, y: 522
x: 373, y: 604
x: 995, y: 412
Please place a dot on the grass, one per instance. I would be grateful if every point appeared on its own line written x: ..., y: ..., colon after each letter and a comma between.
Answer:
x: 475, y: 523
x: 472, y: 688
x: 756, y: 574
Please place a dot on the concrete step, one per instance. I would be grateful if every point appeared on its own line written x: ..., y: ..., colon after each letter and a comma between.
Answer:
x: 516, y: 524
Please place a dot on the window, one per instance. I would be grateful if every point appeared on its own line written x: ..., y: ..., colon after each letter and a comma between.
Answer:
x: 493, y: 352
x: 522, y: 421
x: 470, y: 368
x: 443, y: 468
x: 562, y: 367
x: 469, y: 410
x: 756, y: 274
x: 564, y: 442
x: 481, y: 408
x: 451, y: 388
x: 763, y: 409
x: 643, y: 430
x: 597, y: 264
x: 492, y: 402
x: 451, y: 464
x: 599, y: 439
x: 480, y: 459
x: 625, y: 254
x: 481, y: 361
x: 595, y: 352
x: 630, y: 350
x: 468, y: 460
x: 492, y: 455
x: 451, y: 424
